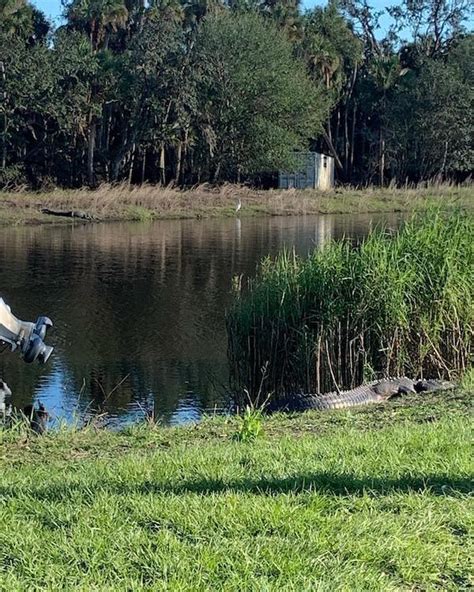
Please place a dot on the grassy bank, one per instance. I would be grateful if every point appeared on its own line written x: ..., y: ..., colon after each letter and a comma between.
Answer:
x: 398, y: 303
x: 150, y: 202
x: 369, y: 499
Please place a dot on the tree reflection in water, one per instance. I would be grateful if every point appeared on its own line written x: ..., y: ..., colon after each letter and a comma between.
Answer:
x: 139, y: 307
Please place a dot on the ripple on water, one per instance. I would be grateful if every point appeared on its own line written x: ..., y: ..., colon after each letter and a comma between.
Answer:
x: 139, y: 308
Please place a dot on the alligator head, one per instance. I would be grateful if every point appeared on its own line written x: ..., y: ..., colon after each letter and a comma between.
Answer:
x: 393, y: 387
x: 432, y: 384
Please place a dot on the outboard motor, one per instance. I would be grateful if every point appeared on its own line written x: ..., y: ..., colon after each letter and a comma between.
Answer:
x: 24, y: 336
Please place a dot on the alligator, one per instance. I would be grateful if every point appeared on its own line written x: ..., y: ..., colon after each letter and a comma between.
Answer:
x: 377, y: 391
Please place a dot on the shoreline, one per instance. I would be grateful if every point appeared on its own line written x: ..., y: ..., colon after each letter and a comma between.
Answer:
x: 148, y: 203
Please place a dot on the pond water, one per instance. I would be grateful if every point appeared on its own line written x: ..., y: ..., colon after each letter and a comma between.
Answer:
x: 139, y: 308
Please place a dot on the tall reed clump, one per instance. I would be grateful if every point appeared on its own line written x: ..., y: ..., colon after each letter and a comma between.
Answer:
x: 398, y: 303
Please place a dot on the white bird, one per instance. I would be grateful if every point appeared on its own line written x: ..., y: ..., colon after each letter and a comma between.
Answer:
x: 238, y: 206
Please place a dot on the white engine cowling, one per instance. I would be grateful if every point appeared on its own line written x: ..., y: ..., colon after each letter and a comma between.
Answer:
x: 25, y: 336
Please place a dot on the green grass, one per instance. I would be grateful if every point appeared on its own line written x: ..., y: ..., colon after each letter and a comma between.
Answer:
x: 369, y: 499
x: 396, y: 304
x: 250, y: 425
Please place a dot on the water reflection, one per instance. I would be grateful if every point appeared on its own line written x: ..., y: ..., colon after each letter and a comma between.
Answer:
x: 139, y: 308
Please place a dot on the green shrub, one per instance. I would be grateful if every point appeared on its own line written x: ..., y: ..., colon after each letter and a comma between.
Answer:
x: 250, y: 425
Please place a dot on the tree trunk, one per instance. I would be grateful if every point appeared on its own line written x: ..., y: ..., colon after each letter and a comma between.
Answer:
x: 217, y: 172
x: 179, y: 153
x: 90, y: 151
x: 143, y: 165
x: 382, y: 158
x: 354, y: 117
x: 46, y: 159
x: 443, y: 166
x: 382, y: 140
x: 108, y: 127
x: 162, y: 164
x: 332, y: 149
x: 346, y: 141
x: 185, y: 157
x: 335, y: 138
x: 124, y: 149
x: 5, y: 122
x: 132, y: 160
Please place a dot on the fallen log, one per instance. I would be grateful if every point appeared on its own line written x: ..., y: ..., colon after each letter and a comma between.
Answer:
x: 68, y: 213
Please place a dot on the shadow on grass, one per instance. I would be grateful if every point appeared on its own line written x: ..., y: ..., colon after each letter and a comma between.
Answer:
x: 324, y: 482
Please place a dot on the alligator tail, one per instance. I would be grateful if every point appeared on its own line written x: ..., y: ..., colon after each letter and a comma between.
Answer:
x: 307, y: 401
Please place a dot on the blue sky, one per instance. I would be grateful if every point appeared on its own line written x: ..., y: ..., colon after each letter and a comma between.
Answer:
x: 53, y: 8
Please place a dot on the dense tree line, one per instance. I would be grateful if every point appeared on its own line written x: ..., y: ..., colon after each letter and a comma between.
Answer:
x: 191, y: 91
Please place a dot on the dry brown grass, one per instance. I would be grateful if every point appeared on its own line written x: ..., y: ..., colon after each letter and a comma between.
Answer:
x: 121, y: 202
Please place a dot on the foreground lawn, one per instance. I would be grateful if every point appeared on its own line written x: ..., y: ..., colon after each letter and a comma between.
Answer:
x: 374, y: 499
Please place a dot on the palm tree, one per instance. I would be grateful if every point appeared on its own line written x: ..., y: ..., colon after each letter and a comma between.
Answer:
x: 98, y: 18
x: 195, y: 10
x: 171, y: 10
x: 385, y: 70
x: 16, y: 17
